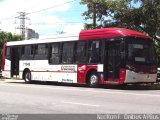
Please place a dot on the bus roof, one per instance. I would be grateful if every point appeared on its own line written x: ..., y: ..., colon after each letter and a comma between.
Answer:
x: 45, y: 40
x: 84, y: 35
x: 109, y: 33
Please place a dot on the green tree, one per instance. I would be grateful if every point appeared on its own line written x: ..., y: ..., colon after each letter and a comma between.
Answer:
x: 7, y: 36
x: 97, y: 10
x: 140, y: 15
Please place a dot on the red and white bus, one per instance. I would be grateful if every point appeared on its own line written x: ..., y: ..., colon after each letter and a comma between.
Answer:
x: 93, y: 57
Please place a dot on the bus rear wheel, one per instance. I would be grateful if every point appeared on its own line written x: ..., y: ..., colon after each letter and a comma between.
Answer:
x: 27, y: 77
x: 93, y: 79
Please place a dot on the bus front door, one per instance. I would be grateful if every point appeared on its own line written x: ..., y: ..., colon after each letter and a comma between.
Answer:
x: 14, y: 62
x: 112, y: 61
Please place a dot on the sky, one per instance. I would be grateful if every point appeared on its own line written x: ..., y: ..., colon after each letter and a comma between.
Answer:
x: 47, y: 17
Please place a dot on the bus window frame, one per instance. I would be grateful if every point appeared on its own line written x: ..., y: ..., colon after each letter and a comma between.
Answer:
x: 50, y: 53
x: 73, y: 52
x: 38, y: 55
x: 8, y: 55
x: 78, y: 53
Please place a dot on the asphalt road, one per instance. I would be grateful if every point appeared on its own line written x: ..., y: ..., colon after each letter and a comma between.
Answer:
x: 20, y: 98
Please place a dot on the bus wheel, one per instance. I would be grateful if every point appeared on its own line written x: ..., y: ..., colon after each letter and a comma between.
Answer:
x: 27, y: 77
x: 93, y: 79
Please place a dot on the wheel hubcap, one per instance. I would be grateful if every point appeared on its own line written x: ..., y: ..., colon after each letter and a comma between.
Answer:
x: 28, y: 76
x: 93, y: 79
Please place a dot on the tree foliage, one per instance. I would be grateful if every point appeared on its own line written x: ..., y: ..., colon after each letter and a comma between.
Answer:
x: 7, y: 36
x: 100, y: 8
x: 140, y: 15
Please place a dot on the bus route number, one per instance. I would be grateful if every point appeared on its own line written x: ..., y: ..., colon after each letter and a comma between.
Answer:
x: 26, y: 64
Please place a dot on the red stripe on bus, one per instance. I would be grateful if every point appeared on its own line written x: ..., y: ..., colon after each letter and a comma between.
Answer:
x: 56, y: 71
x: 3, y: 56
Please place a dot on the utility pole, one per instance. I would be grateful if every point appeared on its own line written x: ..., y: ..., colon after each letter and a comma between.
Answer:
x: 22, y: 17
x: 94, y: 15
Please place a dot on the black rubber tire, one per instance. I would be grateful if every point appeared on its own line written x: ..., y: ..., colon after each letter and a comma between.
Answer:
x: 27, y: 77
x: 93, y: 79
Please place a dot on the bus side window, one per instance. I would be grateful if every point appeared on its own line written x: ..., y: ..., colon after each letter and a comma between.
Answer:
x: 26, y: 53
x: 29, y: 54
x: 8, y: 53
x: 42, y: 49
x: 68, y: 53
x: 94, y: 52
x: 41, y: 52
x: 81, y: 56
x: 35, y: 49
x: 54, y: 57
x: 32, y: 49
x: 22, y: 52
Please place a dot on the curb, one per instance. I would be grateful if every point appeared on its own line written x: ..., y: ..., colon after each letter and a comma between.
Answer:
x: 11, y: 80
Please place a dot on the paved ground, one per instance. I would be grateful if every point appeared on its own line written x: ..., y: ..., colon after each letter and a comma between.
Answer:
x: 51, y: 98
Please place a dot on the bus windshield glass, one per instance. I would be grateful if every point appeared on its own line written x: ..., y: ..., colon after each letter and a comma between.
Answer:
x: 141, y: 51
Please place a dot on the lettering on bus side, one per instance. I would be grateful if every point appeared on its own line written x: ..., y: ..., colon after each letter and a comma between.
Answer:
x: 26, y: 64
x: 68, y: 68
x: 67, y: 80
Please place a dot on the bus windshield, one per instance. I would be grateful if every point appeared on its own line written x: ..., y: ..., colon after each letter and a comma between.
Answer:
x: 141, y: 52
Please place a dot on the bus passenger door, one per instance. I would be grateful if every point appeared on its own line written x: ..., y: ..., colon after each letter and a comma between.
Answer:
x: 112, y: 61
x: 14, y: 61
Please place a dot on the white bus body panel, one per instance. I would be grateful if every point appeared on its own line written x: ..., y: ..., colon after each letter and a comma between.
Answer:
x: 7, y: 72
x: 42, y: 71
x: 133, y: 77
x: 100, y: 68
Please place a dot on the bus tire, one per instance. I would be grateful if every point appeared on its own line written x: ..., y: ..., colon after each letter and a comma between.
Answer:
x: 93, y: 79
x: 27, y: 77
